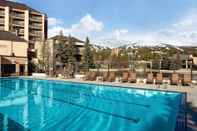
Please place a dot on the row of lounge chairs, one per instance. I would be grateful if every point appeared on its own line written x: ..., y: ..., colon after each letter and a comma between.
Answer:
x: 131, y: 77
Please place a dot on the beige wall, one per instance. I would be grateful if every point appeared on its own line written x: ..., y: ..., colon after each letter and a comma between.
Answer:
x: 5, y: 48
x: 19, y: 48
x: 195, y: 60
x: 26, y: 28
x: 7, y: 18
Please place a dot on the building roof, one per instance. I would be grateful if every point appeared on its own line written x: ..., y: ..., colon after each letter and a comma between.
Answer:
x: 65, y: 38
x: 16, y: 5
x: 5, y: 35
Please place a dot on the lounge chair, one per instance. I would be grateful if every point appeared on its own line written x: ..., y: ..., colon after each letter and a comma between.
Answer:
x: 105, y: 76
x: 90, y: 76
x: 93, y: 76
x: 125, y: 76
x: 175, y: 79
x: 150, y: 78
x: 132, y: 78
x: 186, y: 79
x: 112, y: 77
x: 87, y: 76
x: 159, y: 78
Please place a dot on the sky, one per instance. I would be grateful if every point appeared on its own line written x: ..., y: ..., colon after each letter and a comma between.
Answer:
x: 149, y: 21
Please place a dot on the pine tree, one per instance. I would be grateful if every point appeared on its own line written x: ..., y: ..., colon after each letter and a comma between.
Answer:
x: 61, y: 53
x: 71, y: 52
x: 88, y: 55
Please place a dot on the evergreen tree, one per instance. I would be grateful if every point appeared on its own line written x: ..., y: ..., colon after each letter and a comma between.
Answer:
x: 61, y: 53
x: 71, y: 52
x: 88, y: 55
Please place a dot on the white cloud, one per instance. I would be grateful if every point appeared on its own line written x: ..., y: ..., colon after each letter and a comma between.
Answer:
x: 83, y: 28
x: 54, y: 21
x: 88, y: 24
x: 182, y: 32
x: 118, y: 33
x: 55, y: 30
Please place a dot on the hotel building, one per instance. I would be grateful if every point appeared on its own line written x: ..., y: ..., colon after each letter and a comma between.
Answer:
x: 50, y: 49
x: 13, y: 54
x: 26, y: 22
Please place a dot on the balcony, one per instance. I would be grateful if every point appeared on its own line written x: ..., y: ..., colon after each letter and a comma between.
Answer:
x: 1, y: 27
x: 36, y: 26
x: 18, y: 24
x: 1, y: 13
x: 18, y: 16
x: 1, y: 21
x: 36, y: 33
x: 36, y: 19
x: 21, y: 32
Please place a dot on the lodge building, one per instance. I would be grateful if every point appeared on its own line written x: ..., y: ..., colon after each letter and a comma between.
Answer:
x: 13, y: 54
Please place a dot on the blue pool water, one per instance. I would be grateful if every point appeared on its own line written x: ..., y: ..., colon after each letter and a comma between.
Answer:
x: 65, y: 106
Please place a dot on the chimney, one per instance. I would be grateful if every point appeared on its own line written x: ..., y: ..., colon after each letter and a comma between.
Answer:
x: 61, y: 33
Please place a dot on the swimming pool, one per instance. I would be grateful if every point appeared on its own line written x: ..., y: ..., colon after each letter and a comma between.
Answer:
x: 66, y: 106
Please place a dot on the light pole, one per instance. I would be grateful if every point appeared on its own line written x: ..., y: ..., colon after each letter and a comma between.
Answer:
x: 160, y: 60
x: 191, y: 66
x: 160, y: 64
x: 186, y: 64
x: 129, y: 56
x: 132, y: 54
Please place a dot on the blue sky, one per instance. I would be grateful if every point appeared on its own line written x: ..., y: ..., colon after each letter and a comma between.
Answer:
x: 172, y: 21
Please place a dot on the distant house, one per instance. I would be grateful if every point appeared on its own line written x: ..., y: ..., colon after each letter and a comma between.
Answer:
x: 185, y: 59
x: 78, y: 43
x: 13, y: 54
x: 50, y: 46
x: 115, y: 51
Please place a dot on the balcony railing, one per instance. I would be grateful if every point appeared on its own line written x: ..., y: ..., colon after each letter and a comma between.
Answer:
x: 1, y: 21
x: 37, y: 19
x: 21, y: 32
x: 1, y: 27
x: 35, y: 26
x: 36, y: 33
x: 20, y: 16
x: 1, y: 13
x: 17, y: 23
